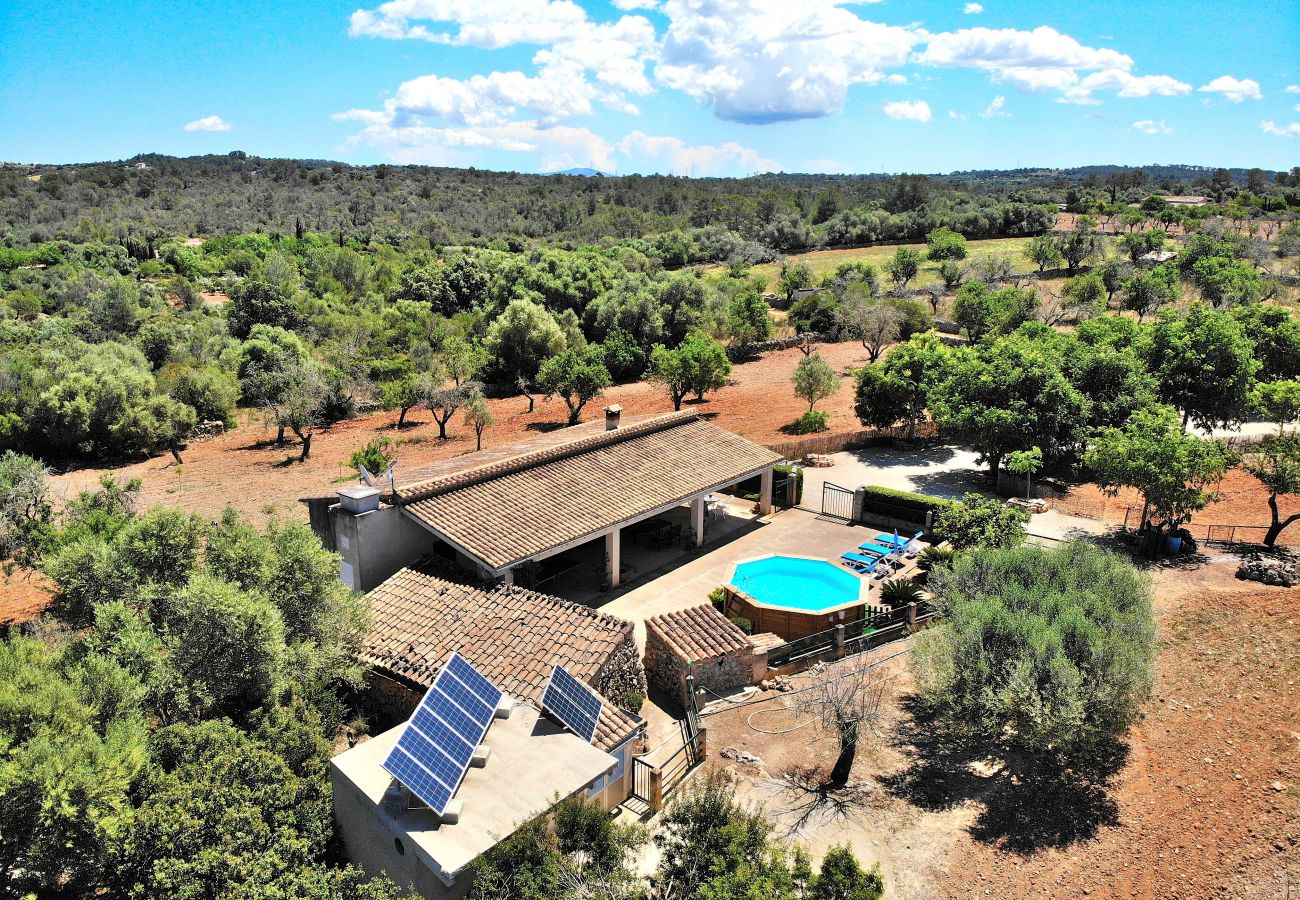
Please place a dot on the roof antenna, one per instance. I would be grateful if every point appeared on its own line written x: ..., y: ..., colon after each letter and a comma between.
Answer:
x: 366, y: 478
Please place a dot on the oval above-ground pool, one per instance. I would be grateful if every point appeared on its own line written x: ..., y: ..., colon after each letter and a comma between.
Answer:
x: 797, y: 583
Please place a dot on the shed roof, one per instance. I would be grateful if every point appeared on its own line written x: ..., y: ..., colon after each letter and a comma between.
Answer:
x: 511, y: 635
x: 700, y: 632
x: 519, y: 501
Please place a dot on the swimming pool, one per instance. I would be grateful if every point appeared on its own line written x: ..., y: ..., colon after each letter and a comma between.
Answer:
x: 797, y: 583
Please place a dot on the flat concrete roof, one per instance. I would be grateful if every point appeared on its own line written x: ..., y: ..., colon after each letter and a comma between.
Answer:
x: 533, y: 761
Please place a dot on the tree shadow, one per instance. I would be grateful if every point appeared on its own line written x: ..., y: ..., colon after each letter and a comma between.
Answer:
x: 1028, y: 802
x: 809, y: 799
x: 544, y: 427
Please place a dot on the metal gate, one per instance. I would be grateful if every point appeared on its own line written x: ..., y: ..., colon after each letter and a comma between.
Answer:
x: 837, y: 502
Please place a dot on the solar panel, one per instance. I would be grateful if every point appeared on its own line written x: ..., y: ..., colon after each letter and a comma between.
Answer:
x: 432, y: 754
x: 572, y: 702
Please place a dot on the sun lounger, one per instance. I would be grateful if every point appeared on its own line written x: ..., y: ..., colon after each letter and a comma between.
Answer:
x: 878, y: 548
x: 879, y: 566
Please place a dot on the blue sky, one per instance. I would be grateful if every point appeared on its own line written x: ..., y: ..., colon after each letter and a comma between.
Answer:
x: 702, y: 87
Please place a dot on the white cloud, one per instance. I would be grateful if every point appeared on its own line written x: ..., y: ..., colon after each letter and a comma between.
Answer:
x: 1270, y: 127
x: 995, y: 109
x: 960, y: 117
x: 635, y: 4
x: 1233, y: 89
x: 908, y: 110
x: 1124, y: 85
x: 972, y: 9
x: 208, y: 123
x: 478, y: 23
x: 1151, y: 126
x: 772, y: 60
x: 1007, y: 48
x: 675, y: 156
x: 554, y: 146
x: 1292, y: 89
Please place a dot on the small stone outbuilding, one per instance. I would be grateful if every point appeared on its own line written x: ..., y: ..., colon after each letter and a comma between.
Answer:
x: 703, y: 642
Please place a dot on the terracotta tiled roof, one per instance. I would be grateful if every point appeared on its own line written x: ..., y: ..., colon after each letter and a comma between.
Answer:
x: 512, y: 635
x: 700, y: 632
x: 518, y: 501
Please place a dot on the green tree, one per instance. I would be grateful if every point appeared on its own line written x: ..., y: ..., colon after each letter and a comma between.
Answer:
x: 841, y: 877
x: 748, y: 319
x: 1276, y: 336
x: 1049, y: 650
x: 1279, y: 402
x: 1204, y: 365
x: 1025, y: 463
x: 1175, y: 472
x: 874, y: 324
x: 814, y: 379
x: 254, y: 302
x: 904, y: 265
x: 1010, y: 395
x: 1226, y: 281
x: 945, y: 244
x: 981, y: 523
x: 523, y: 337
x: 1043, y: 251
x: 1276, y: 463
x: 478, y: 415
x: 576, y: 377
x: 898, y: 390
x: 1147, y: 292
x: 793, y: 277
x: 25, y: 509
x: 1080, y: 245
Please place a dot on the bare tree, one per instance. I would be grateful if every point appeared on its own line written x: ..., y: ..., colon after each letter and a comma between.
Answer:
x: 846, y: 697
x: 526, y: 389
x: 875, y: 324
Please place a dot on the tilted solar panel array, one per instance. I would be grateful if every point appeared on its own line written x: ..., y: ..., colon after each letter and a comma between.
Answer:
x: 572, y: 702
x: 432, y: 754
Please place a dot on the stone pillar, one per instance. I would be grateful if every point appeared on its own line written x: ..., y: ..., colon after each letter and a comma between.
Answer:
x: 613, y: 548
x: 911, y: 616
x: 839, y: 641
x: 697, y: 520
x: 765, y: 493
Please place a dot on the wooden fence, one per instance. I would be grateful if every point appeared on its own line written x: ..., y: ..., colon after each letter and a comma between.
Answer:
x: 833, y: 443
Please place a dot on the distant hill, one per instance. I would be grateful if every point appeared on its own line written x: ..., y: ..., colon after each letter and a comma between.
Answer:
x: 580, y: 171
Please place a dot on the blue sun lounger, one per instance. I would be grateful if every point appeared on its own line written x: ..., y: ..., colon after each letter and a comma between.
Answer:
x: 864, y: 564
x: 904, y: 545
x: 878, y: 548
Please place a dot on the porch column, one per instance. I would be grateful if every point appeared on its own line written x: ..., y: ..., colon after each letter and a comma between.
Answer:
x: 508, y: 577
x: 613, y: 546
x: 697, y: 519
x: 765, y: 492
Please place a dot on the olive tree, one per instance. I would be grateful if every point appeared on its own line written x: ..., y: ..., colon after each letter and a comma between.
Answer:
x: 1048, y: 650
x: 814, y: 380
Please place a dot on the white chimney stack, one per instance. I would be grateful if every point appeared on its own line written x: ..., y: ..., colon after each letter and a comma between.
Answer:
x: 612, y: 414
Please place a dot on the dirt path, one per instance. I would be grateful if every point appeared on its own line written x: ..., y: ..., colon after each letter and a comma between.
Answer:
x: 245, y: 469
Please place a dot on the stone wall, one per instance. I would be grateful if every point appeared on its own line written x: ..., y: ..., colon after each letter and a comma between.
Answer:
x: 720, y: 675
x: 622, y: 673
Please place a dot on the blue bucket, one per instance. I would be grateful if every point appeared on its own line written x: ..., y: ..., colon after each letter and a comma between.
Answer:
x: 1173, y: 544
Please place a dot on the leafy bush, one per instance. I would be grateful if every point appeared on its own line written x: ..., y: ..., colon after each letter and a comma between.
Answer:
x: 902, y: 504
x: 981, y: 522
x: 932, y: 558
x: 899, y: 592
x: 743, y: 624
x: 1049, y: 649
x: 375, y: 455
x: 812, y: 422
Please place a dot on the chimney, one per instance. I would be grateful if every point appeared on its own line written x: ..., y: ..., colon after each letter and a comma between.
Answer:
x: 612, y: 414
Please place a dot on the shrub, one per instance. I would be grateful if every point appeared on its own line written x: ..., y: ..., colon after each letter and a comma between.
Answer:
x: 902, y: 504
x: 813, y: 422
x: 932, y: 558
x: 374, y: 455
x: 899, y: 592
x: 743, y: 624
x: 981, y: 522
x: 718, y: 597
x: 1048, y: 649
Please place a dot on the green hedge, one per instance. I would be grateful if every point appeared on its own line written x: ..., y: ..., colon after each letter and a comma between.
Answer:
x: 901, y: 504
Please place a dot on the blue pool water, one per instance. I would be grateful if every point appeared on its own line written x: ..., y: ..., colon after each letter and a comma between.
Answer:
x: 807, y: 585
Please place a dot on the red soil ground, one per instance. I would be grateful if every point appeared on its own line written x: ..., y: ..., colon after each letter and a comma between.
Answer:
x: 246, y: 469
x: 1242, y: 501
x: 1208, y: 802
x: 24, y: 594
